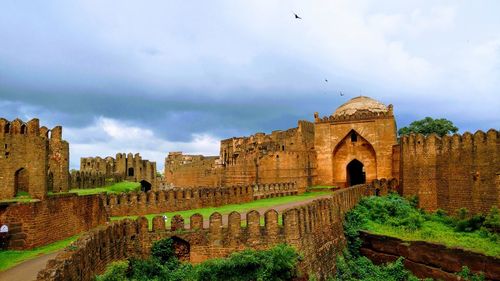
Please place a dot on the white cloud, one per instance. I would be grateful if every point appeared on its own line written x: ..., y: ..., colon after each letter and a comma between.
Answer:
x: 106, y: 137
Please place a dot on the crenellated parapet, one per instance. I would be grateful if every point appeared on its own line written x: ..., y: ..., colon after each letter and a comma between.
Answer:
x: 452, y: 171
x: 315, y: 229
x: 261, y: 191
x: 141, y: 203
x: 359, y: 115
x: 33, y: 159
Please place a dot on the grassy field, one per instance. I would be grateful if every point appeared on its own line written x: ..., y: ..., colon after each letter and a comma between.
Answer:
x: 323, y: 187
x: 120, y: 187
x: 244, y: 207
x: 436, y: 232
x: 11, y: 258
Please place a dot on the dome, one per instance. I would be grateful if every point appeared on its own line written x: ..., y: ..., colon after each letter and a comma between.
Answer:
x: 360, y: 103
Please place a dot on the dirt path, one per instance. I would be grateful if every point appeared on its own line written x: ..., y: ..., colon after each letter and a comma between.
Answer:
x: 279, y: 208
x: 28, y: 270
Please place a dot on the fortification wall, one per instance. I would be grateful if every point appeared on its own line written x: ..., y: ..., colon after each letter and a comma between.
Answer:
x: 279, y: 157
x: 124, y: 167
x: 453, y: 171
x: 315, y: 229
x: 142, y: 203
x: 39, y: 223
x: 33, y: 159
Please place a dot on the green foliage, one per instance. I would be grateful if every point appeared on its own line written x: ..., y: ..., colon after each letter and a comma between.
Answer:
x: 428, y: 126
x: 119, y: 187
x: 398, y: 217
x: 467, y: 275
x: 278, y: 263
x: 116, y: 271
x: 361, y: 268
x: 492, y: 220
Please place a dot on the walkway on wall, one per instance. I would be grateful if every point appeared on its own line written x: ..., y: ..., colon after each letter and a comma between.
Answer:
x: 27, y: 270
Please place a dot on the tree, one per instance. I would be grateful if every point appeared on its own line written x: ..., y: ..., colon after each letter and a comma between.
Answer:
x: 428, y: 126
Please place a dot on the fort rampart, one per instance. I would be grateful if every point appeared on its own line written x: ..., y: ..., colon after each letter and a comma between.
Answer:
x: 452, y: 172
x: 179, y: 199
x: 315, y: 229
x: 39, y: 223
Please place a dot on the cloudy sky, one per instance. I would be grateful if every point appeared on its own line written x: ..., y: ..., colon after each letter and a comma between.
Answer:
x: 159, y: 76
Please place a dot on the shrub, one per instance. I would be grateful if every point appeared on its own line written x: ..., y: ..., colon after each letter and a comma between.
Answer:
x: 116, y: 271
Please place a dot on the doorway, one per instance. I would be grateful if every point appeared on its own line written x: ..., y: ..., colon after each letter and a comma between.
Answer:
x: 21, y: 182
x: 355, y: 173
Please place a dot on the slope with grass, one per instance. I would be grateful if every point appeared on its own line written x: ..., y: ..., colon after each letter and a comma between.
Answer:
x: 10, y: 258
x: 396, y: 217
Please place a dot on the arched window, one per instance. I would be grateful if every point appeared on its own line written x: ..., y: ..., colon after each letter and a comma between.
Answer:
x: 130, y: 172
x: 23, y: 129
x: 6, y: 129
x: 354, y: 137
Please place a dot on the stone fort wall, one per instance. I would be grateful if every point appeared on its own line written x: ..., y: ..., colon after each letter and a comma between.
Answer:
x: 124, y: 167
x: 315, y: 229
x: 282, y: 156
x: 452, y: 172
x: 36, y: 224
x: 154, y: 202
x: 33, y: 159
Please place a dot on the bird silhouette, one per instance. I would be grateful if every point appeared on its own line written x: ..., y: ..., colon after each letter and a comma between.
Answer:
x: 297, y: 16
x: 341, y: 94
x: 326, y: 80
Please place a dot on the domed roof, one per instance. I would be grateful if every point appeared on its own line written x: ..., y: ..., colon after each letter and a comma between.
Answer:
x: 360, y: 103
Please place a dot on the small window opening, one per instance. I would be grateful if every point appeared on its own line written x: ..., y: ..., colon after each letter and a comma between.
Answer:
x: 23, y: 129
x: 354, y: 137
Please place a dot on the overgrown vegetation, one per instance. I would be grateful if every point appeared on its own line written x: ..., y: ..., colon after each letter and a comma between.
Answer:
x: 278, y: 263
x: 395, y: 216
x: 398, y: 217
x: 11, y: 258
x: 120, y: 187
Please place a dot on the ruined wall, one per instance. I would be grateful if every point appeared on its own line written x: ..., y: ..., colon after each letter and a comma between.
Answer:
x: 192, y: 170
x: 453, y: 171
x: 124, y: 167
x: 57, y: 217
x: 315, y: 229
x: 428, y: 260
x: 373, y: 146
x: 92, y: 179
x: 33, y: 159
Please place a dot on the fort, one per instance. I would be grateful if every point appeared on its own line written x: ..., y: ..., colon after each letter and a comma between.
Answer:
x: 355, y: 149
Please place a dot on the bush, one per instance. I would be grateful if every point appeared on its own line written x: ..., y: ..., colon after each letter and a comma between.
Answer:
x: 116, y: 271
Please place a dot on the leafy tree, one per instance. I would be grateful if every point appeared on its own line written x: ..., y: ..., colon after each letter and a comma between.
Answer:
x: 428, y: 126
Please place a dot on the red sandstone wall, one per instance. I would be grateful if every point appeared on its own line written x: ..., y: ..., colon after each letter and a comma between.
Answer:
x: 55, y: 218
x: 314, y: 228
x: 155, y: 202
x: 453, y: 171
x: 427, y: 260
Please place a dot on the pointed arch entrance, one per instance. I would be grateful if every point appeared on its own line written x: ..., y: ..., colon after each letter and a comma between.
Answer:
x: 355, y: 173
x: 354, y: 160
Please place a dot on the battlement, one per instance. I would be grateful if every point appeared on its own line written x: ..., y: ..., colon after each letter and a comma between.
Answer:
x: 33, y: 159
x: 451, y: 172
x: 315, y: 229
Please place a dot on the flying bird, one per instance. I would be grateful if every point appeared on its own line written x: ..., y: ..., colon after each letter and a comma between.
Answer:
x: 341, y: 94
x: 326, y: 80
x: 297, y: 16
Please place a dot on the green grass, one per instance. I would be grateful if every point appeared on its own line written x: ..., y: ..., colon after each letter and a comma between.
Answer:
x: 120, y: 187
x: 11, y: 258
x: 323, y: 187
x: 226, y: 209
x: 21, y: 196
x: 436, y: 232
